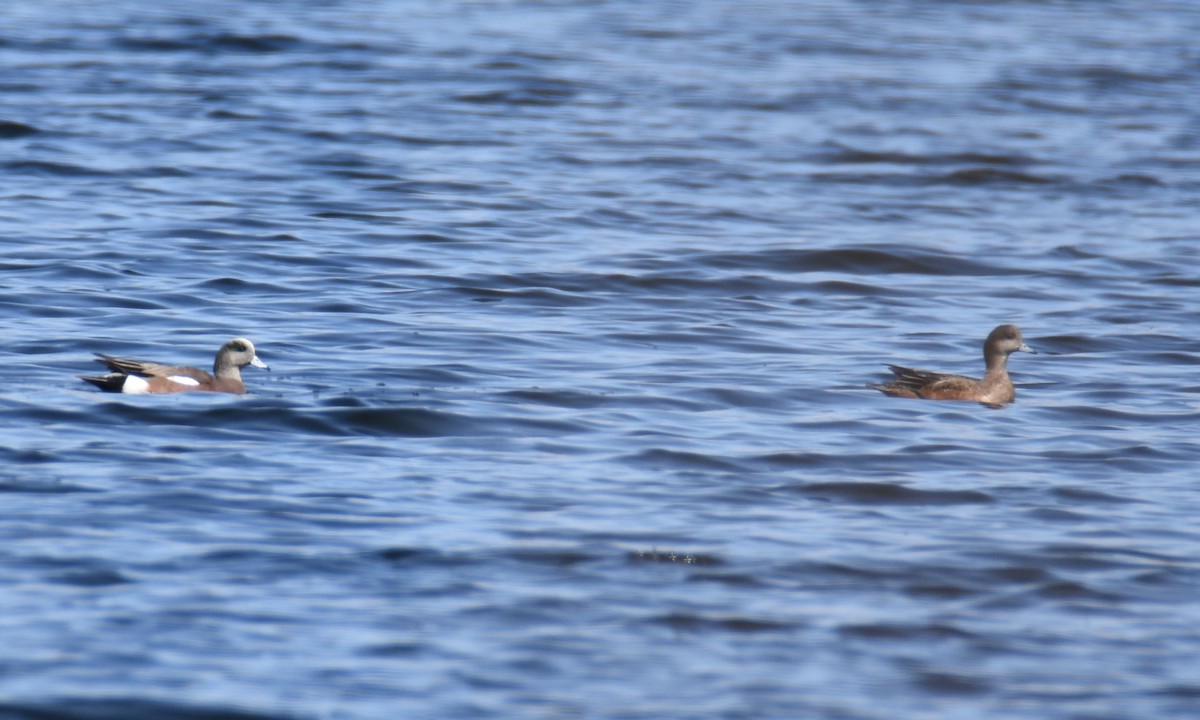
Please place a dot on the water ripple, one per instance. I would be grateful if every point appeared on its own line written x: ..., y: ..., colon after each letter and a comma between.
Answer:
x: 570, y: 308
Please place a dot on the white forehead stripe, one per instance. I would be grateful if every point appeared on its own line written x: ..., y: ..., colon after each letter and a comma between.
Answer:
x: 184, y: 380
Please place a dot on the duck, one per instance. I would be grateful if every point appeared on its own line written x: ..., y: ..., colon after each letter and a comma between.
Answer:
x: 994, y: 388
x: 142, y: 377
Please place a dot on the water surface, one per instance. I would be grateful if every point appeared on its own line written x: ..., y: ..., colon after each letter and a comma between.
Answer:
x: 570, y: 308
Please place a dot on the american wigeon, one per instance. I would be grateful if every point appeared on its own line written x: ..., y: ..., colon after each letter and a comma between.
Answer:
x: 994, y: 389
x: 140, y: 377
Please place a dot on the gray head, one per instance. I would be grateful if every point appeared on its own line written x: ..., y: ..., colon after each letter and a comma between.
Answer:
x: 235, y: 355
x: 1002, y: 342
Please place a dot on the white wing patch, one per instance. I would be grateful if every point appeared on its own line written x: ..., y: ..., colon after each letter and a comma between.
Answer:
x: 135, y: 385
x: 184, y: 380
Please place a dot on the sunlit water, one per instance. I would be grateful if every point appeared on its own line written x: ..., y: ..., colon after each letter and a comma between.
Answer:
x: 570, y: 308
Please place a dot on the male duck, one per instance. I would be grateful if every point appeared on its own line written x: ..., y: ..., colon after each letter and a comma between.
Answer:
x: 140, y: 377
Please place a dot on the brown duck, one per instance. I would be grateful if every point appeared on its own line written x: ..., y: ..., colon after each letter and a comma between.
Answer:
x: 994, y: 389
x: 140, y: 377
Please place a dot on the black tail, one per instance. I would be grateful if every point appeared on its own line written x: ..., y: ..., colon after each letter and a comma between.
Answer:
x: 113, y: 382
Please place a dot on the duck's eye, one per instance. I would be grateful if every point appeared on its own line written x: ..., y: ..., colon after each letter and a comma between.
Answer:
x: 239, y: 347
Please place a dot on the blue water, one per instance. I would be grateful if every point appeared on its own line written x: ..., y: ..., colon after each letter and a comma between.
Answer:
x: 570, y: 308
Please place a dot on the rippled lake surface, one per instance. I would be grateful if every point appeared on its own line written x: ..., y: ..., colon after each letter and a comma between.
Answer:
x: 570, y: 308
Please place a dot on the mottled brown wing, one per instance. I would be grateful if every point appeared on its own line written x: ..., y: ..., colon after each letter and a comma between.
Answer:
x: 922, y: 383
x: 151, y: 369
x: 951, y: 387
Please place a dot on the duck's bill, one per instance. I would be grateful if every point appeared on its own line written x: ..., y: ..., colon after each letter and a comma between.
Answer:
x: 1026, y: 348
x: 260, y: 364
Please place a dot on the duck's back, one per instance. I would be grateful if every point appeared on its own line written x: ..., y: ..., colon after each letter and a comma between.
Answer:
x: 914, y: 383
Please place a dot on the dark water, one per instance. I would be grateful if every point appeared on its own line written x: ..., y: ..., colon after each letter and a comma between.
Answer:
x: 570, y: 308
